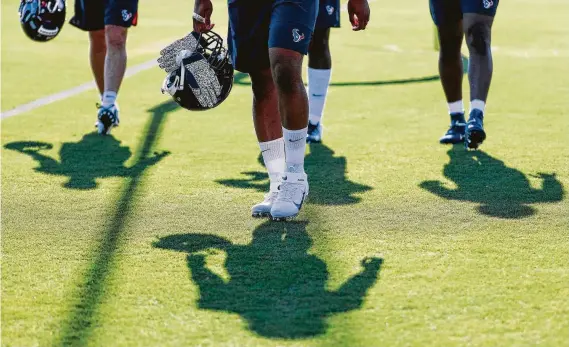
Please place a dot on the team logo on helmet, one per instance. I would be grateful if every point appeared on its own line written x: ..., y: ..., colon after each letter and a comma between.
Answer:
x: 297, y: 36
x: 487, y: 3
x: 330, y: 9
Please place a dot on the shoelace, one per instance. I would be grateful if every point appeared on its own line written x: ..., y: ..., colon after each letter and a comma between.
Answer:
x: 271, y: 196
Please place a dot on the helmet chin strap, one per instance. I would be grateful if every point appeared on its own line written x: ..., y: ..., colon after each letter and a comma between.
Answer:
x: 182, y: 77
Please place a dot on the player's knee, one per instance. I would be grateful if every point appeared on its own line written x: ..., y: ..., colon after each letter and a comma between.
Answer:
x: 287, y: 74
x: 478, y: 38
x: 450, y: 55
x: 262, y: 84
x: 97, y: 40
x: 115, y: 36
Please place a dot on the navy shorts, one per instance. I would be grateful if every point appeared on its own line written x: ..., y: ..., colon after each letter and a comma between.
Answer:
x: 448, y: 11
x: 257, y: 25
x: 92, y: 15
x: 328, y: 14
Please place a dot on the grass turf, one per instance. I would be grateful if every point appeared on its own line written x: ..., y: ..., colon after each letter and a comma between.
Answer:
x: 144, y: 238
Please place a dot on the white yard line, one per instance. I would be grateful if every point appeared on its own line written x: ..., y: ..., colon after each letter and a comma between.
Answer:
x: 70, y: 92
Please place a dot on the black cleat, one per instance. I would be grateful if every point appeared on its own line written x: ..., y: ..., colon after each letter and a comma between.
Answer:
x: 107, y: 118
x: 475, y: 133
x: 455, y: 133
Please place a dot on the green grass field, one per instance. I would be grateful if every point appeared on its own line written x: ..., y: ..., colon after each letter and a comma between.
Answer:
x: 145, y: 238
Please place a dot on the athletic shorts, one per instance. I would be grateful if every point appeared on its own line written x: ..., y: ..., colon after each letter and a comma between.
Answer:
x: 452, y: 10
x: 257, y: 25
x: 92, y: 15
x: 328, y: 14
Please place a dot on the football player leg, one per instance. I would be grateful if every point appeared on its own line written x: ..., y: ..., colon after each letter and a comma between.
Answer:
x: 320, y: 66
x: 286, y: 66
x: 319, y: 74
x: 291, y: 29
x: 90, y: 16
x: 269, y: 134
x: 119, y: 16
x: 478, y: 19
x: 97, y: 54
x: 447, y: 16
x: 248, y: 45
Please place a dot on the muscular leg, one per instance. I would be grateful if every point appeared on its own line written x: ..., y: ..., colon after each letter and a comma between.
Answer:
x: 269, y: 131
x: 286, y: 66
x: 449, y: 27
x: 115, y: 66
x: 319, y: 73
x: 115, y: 61
x: 477, y: 29
x: 450, y: 59
x: 97, y: 53
x: 265, y: 106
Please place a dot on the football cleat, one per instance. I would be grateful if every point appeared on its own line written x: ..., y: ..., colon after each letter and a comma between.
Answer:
x: 107, y: 118
x: 292, y: 193
x: 314, y: 133
x: 263, y: 209
x: 455, y: 133
x: 475, y: 134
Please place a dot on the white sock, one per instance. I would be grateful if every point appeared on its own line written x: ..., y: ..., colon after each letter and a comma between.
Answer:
x: 274, y: 157
x: 295, y: 145
x: 109, y: 98
x: 456, y: 107
x: 318, y: 82
x: 477, y: 105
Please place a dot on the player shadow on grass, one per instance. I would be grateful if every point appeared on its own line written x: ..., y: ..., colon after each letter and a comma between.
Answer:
x: 501, y: 191
x: 93, y: 157
x: 275, y: 284
x: 326, y: 175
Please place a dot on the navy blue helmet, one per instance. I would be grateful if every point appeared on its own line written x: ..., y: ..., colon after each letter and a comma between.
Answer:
x: 42, y: 20
x: 200, y: 72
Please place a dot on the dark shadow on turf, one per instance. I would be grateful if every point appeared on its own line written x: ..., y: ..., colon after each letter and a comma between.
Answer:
x: 275, y: 284
x: 77, y: 329
x: 86, y: 161
x: 326, y: 175
x: 240, y: 78
x: 501, y: 191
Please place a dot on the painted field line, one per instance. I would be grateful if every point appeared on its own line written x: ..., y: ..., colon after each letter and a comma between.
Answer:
x: 46, y: 100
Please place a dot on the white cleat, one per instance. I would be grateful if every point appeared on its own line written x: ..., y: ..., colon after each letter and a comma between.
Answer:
x: 263, y: 209
x: 293, y: 191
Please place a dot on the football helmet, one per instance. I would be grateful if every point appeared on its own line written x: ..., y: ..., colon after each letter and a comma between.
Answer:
x: 200, y: 71
x: 42, y: 20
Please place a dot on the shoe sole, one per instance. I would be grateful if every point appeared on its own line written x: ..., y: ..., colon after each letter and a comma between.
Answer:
x: 260, y: 214
x: 475, y: 138
x: 445, y: 142
x: 284, y: 219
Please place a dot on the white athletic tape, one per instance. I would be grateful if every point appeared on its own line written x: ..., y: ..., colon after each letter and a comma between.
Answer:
x: 70, y: 92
